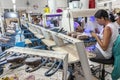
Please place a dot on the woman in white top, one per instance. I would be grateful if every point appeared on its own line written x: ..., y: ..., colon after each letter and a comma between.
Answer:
x: 107, y: 37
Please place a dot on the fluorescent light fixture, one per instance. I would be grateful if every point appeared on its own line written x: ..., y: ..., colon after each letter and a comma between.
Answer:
x: 14, y: 7
x: 13, y: 1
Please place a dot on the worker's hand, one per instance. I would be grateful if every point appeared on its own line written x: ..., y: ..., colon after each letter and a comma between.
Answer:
x: 94, y: 34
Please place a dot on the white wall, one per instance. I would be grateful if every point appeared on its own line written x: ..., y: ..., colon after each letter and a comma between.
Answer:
x: 6, y: 4
x: 52, y: 5
x: 55, y: 4
x: 41, y: 4
x: 21, y: 4
x: 0, y: 8
x: 84, y: 4
x: 61, y: 4
x: 115, y: 4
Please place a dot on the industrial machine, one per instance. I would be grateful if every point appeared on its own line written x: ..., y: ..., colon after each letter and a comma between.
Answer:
x: 65, y: 43
x: 47, y: 64
x: 70, y: 14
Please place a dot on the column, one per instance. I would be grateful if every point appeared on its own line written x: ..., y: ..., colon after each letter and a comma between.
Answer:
x: 110, y: 6
x: 14, y: 5
x: 96, y: 4
x: 52, y: 6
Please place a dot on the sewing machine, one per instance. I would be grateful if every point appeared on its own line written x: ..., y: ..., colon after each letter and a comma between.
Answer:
x: 76, y: 50
x: 69, y: 15
x: 36, y: 30
x: 43, y: 72
x: 74, y: 47
x: 44, y: 34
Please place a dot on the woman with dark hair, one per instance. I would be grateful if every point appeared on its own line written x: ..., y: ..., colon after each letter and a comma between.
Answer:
x: 105, y: 40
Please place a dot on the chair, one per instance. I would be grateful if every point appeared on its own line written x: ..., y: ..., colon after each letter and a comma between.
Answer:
x: 116, y: 60
x: 101, y: 69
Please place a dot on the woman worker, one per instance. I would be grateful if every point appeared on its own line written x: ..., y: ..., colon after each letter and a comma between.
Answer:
x: 103, y: 48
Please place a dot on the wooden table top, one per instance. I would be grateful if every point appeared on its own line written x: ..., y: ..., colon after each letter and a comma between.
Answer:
x: 48, y: 42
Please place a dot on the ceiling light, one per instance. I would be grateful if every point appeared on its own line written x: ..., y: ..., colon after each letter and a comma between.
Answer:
x: 14, y: 7
x: 13, y: 1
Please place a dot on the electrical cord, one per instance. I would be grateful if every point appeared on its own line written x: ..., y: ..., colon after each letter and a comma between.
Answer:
x: 3, y: 54
x: 13, y: 54
x: 50, y: 72
x: 44, y: 61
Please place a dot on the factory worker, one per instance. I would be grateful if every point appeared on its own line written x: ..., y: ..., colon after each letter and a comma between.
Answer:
x: 103, y: 48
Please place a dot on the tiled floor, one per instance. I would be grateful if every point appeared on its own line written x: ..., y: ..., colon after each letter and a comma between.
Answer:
x: 108, y: 68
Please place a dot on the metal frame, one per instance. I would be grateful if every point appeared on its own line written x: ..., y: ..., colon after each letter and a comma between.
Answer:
x: 59, y: 40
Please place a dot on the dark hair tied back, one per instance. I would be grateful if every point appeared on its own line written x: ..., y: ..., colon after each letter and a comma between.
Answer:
x: 104, y: 14
x: 112, y: 17
x: 101, y: 14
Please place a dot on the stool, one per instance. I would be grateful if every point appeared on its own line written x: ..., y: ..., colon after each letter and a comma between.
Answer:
x: 103, y: 62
